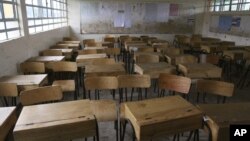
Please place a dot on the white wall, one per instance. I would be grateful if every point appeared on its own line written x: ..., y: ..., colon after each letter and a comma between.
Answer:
x: 74, y: 22
x: 225, y: 37
x: 15, y: 51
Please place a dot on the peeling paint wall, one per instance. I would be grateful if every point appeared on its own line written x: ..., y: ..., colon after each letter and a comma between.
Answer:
x: 15, y: 51
x: 136, y: 17
x: 239, y: 40
x: 167, y: 33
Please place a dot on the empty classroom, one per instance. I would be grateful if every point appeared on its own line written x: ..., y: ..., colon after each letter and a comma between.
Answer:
x: 124, y: 70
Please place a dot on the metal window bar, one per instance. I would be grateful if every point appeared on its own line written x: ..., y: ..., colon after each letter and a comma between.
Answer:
x: 240, y: 5
x: 52, y: 9
x: 4, y: 19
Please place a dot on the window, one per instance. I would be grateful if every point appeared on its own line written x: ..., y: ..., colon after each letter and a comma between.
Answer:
x: 229, y: 5
x: 9, y: 21
x: 45, y: 15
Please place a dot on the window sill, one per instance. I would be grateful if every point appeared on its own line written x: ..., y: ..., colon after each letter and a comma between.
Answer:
x: 12, y: 39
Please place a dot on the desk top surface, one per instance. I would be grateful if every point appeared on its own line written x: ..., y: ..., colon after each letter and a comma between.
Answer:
x: 158, y: 110
x: 154, y: 66
x: 46, y: 58
x: 86, y: 62
x: 148, y: 53
x: 201, y: 70
x: 154, y: 69
x: 46, y: 115
x: 35, y: 79
x: 65, y: 50
x: 91, y: 56
x: 71, y: 42
x: 90, y: 48
x: 118, y: 67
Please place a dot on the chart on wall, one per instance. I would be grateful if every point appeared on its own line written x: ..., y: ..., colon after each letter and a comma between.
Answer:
x: 230, y: 24
x: 121, y: 17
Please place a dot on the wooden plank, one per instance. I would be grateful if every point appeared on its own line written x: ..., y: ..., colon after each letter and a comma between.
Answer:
x: 81, y: 58
x: 86, y: 62
x: 148, y: 53
x: 69, y: 45
x: 85, y: 48
x: 70, y: 42
x: 110, y: 69
x: 46, y: 59
x: 176, y: 59
x: 204, y: 70
x: 136, y: 47
x: 127, y: 45
x: 25, y: 80
x: 154, y: 69
x: 7, y: 121
x: 65, y: 51
x: 56, y: 121
x: 162, y: 116
x: 220, y: 116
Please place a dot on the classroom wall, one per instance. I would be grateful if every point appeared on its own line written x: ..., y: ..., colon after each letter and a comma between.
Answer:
x: 74, y: 22
x: 15, y: 51
x: 239, y: 40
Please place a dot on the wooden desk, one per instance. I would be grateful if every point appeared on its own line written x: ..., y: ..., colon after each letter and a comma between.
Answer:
x: 176, y: 59
x: 94, y: 48
x: 209, y: 48
x: 86, y: 62
x: 105, y: 70
x: 136, y: 47
x: 62, y: 121
x: 26, y: 81
x: 154, y: 69
x: 161, y: 56
x: 137, y: 43
x: 66, y: 52
x: 70, y: 42
x: 46, y: 59
x: 70, y: 45
x: 200, y: 71
x: 7, y: 121
x: 232, y: 54
x: 108, y: 44
x: 81, y: 58
x: 162, y: 116
x: 220, y: 116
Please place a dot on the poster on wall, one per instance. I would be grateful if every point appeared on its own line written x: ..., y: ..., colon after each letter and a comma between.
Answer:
x: 236, y: 21
x: 119, y: 19
x: 163, y: 12
x: 225, y: 23
x: 174, y: 10
x: 230, y: 24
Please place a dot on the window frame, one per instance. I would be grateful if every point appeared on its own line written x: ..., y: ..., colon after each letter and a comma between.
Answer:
x: 63, y: 16
x: 14, y: 19
x: 222, y: 3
